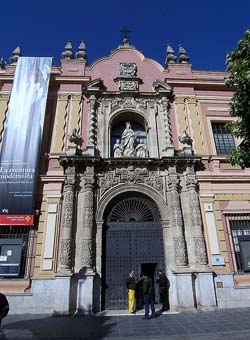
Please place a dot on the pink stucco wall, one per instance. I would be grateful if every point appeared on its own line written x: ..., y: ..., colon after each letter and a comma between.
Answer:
x: 108, y: 69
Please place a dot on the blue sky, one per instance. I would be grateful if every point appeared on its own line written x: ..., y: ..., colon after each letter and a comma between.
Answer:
x: 207, y: 29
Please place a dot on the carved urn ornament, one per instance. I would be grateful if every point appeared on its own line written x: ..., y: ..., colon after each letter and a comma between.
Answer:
x: 75, y: 138
x: 185, y: 138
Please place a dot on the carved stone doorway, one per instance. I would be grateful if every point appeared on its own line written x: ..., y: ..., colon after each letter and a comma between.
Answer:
x: 132, y: 239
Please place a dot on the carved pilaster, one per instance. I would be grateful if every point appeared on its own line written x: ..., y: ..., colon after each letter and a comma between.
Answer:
x: 197, y: 241
x: 87, y: 253
x: 87, y: 244
x: 65, y: 259
x: 200, y: 250
x: 180, y: 251
x: 177, y: 220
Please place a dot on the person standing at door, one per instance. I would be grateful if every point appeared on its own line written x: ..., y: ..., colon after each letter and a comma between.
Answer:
x: 163, y: 283
x: 131, y: 286
x: 148, y: 297
x: 139, y: 293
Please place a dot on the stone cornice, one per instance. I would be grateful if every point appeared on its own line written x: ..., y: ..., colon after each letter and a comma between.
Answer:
x: 164, y: 161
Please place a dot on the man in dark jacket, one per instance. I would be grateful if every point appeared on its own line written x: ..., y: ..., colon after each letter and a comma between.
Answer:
x: 148, y: 297
x: 4, y: 307
x: 163, y: 290
x: 131, y: 286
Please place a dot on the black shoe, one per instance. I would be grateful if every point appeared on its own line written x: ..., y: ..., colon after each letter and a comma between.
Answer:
x: 146, y: 318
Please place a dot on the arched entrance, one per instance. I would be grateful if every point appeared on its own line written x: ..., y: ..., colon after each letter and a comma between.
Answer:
x: 132, y: 239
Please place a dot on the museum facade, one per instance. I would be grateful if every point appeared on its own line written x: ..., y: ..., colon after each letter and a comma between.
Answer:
x: 133, y: 175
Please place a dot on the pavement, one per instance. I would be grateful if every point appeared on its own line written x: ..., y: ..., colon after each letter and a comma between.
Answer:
x: 218, y: 325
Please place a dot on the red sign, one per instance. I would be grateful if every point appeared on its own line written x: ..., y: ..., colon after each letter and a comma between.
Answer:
x: 17, y: 220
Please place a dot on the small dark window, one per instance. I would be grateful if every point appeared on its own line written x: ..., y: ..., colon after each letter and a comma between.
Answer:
x: 240, y: 230
x: 224, y: 141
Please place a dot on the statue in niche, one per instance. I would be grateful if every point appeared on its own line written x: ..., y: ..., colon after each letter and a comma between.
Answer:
x: 141, y: 150
x: 128, y: 141
x: 118, y: 149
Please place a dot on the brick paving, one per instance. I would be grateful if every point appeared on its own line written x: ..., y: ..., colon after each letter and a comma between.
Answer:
x: 219, y: 325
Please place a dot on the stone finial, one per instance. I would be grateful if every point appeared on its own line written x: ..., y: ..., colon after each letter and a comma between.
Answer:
x: 15, y: 54
x: 229, y: 62
x: 183, y: 56
x: 170, y: 57
x: 81, y: 52
x: 2, y: 63
x: 68, y: 51
x: 185, y: 138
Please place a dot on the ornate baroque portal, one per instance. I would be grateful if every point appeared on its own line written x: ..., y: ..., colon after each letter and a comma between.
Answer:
x: 132, y: 240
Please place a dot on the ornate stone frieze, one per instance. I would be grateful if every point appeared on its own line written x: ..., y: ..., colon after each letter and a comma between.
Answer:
x: 200, y: 250
x: 115, y: 103
x: 130, y: 175
x: 128, y: 70
x: 180, y: 251
x: 128, y: 85
x: 128, y: 103
x: 155, y: 181
x: 141, y: 102
x: 66, y: 250
x: 87, y: 253
x: 108, y: 181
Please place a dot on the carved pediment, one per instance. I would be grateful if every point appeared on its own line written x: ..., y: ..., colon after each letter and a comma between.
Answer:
x: 161, y: 87
x: 95, y: 85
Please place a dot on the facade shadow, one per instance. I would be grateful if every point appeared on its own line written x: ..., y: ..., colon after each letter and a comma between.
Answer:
x: 59, y: 327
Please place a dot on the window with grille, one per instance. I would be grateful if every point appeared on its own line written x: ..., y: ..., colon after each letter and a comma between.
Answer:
x: 16, y: 251
x: 240, y: 231
x: 224, y: 141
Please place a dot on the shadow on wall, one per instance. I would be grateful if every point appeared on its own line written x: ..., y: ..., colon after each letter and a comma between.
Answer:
x: 58, y: 327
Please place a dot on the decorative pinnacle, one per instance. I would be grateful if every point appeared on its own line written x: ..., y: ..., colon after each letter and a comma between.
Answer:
x: 183, y: 56
x: 170, y: 57
x: 68, y: 51
x: 2, y: 63
x: 81, y: 51
x: 15, y: 54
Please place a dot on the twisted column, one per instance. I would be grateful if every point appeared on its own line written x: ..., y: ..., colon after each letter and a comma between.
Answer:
x: 65, y: 258
x: 92, y: 120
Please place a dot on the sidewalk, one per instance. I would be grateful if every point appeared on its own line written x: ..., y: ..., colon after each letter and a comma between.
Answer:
x: 220, y: 325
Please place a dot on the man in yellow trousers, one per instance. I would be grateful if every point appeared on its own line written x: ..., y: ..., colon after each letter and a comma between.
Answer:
x: 131, y: 286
